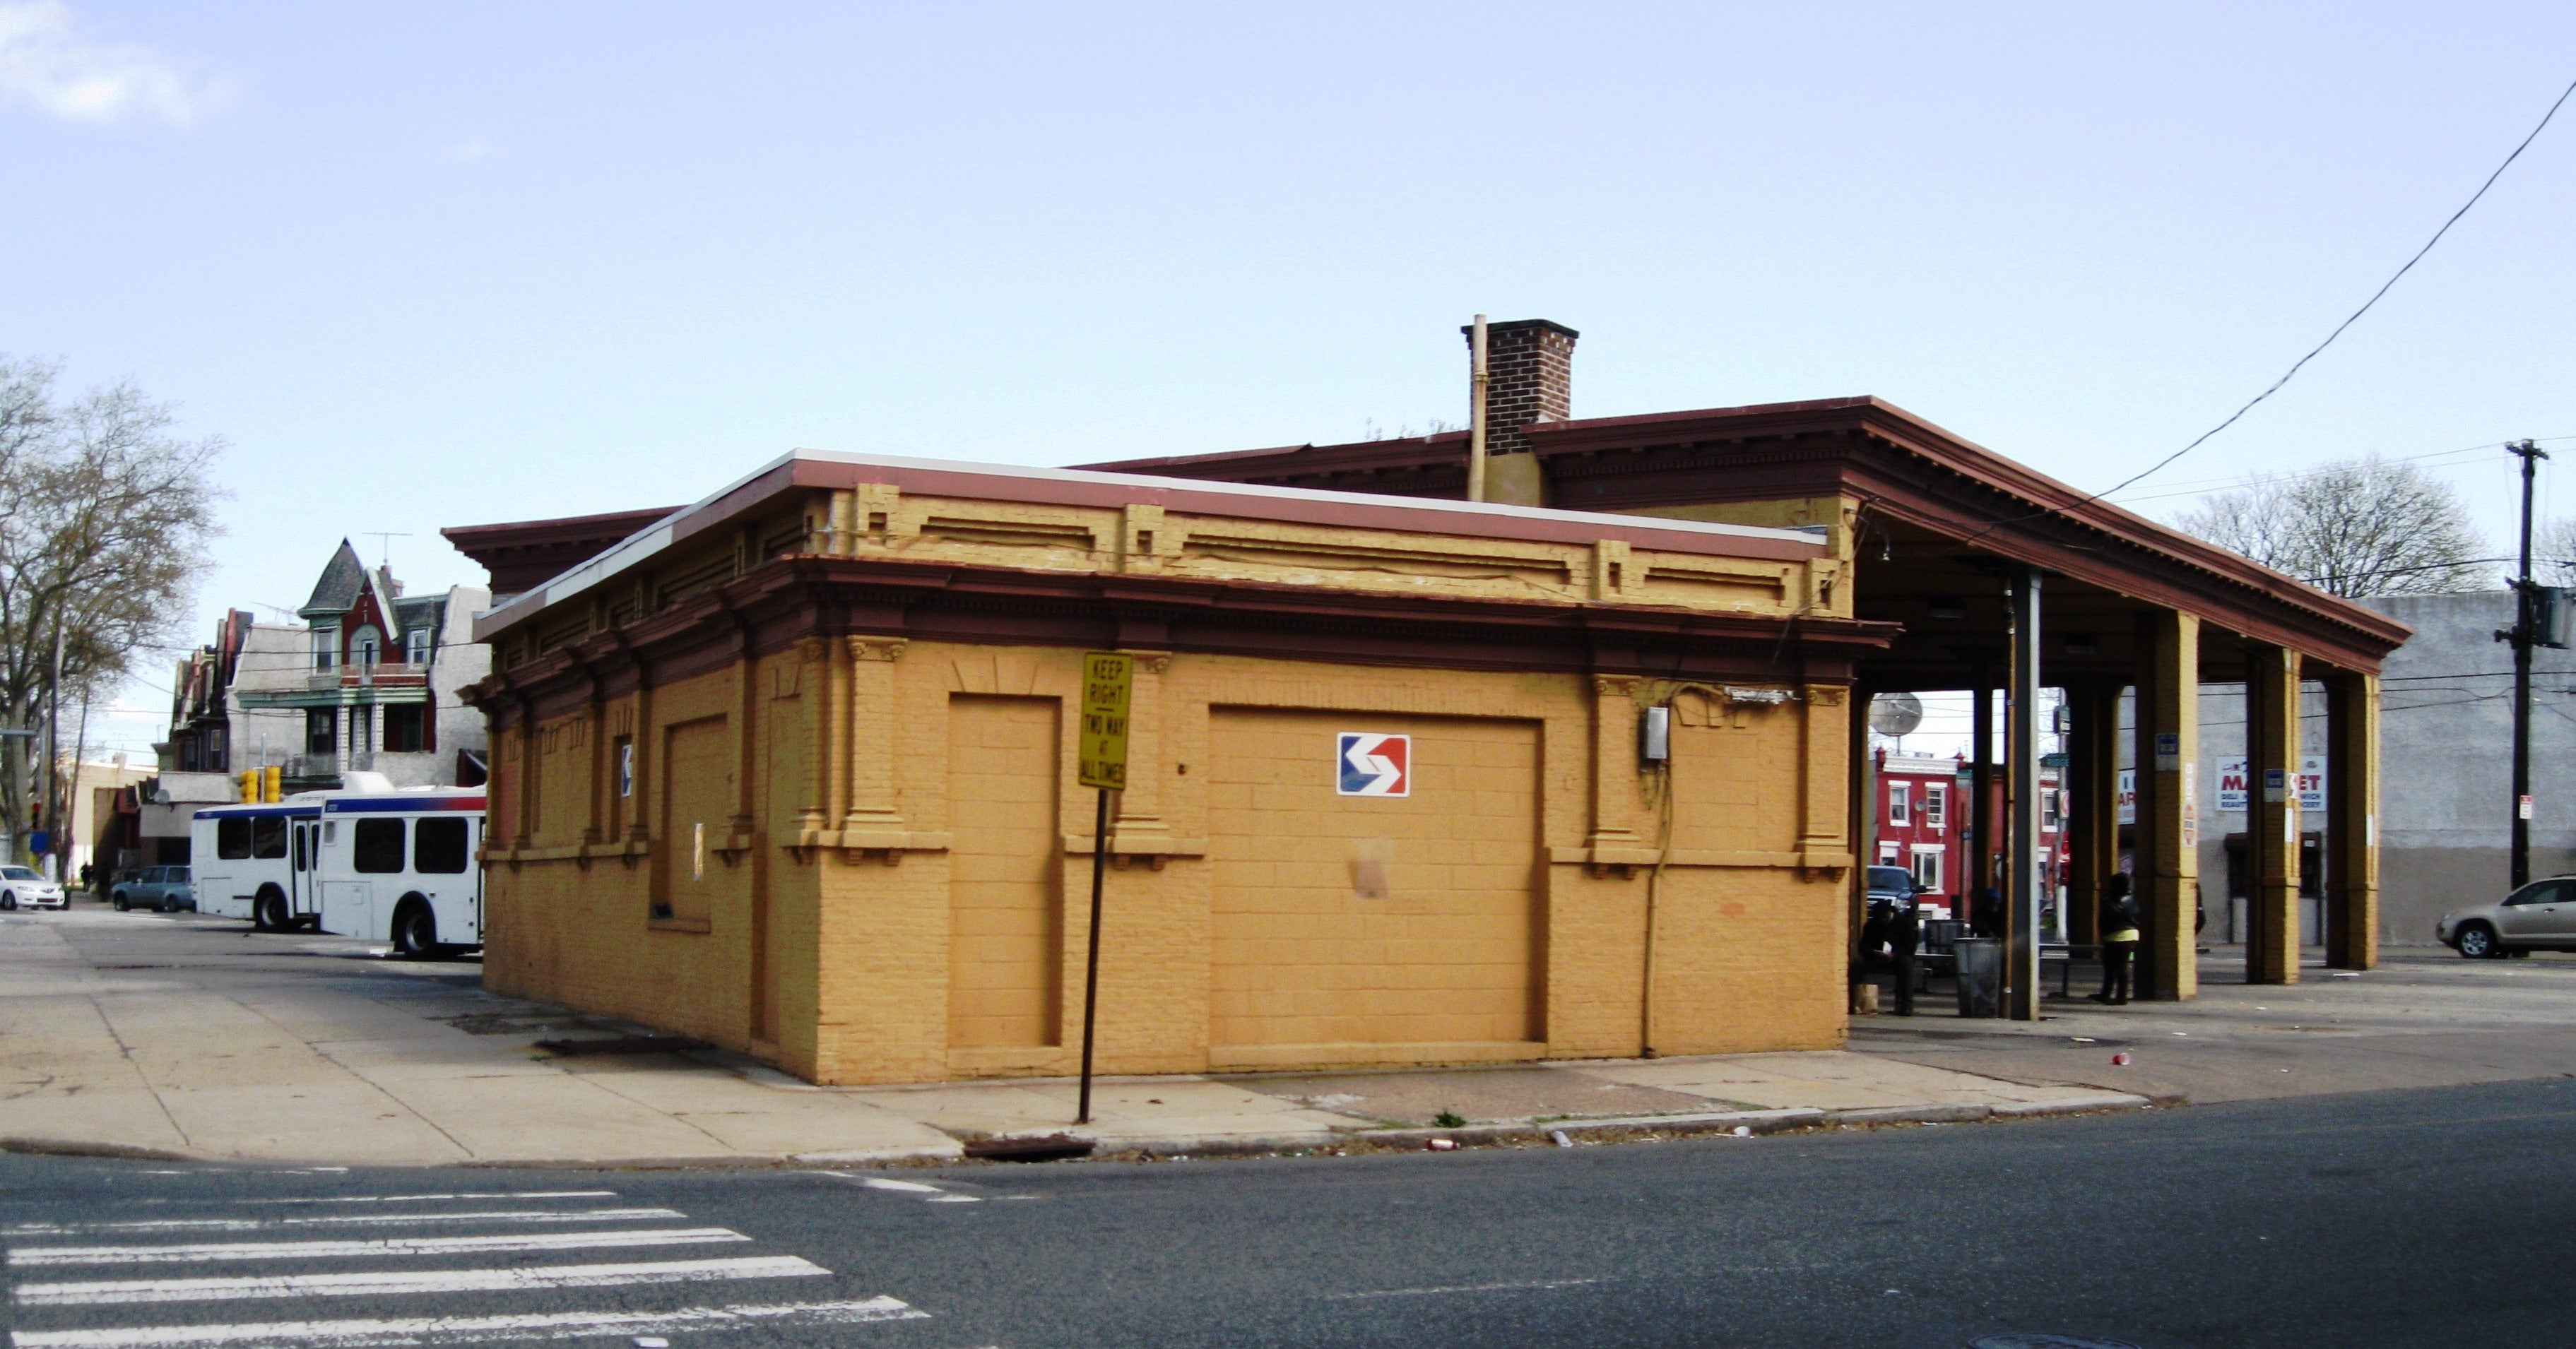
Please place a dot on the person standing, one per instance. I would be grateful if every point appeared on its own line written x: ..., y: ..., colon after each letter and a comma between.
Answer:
x: 1904, y: 937
x: 2119, y: 940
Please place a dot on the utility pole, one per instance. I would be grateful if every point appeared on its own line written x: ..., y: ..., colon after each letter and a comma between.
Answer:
x: 58, y: 842
x: 2524, y: 639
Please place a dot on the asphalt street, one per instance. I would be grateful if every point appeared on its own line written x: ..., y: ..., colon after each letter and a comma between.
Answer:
x: 2398, y: 1218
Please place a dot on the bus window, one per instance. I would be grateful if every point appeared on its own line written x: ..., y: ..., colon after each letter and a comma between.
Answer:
x: 377, y: 846
x: 232, y: 838
x: 303, y: 851
x: 438, y: 845
x: 268, y: 836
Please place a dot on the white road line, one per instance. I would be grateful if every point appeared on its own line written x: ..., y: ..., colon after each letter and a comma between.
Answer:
x: 406, y: 1283
x: 525, y: 1215
x: 424, y: 1198
x: 201, y: 1252
x: 477, y: 1329
x: 932, y: 1194
x: 1461, y: 1288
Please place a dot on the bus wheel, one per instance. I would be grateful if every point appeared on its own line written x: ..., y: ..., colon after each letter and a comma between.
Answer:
x: 415, y: 931
x: 268, y: 912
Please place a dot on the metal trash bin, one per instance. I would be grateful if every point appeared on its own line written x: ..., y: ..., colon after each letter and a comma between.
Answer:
x: 1981, y: 976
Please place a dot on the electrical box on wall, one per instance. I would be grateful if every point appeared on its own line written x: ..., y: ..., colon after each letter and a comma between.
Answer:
x: 1655, y: 735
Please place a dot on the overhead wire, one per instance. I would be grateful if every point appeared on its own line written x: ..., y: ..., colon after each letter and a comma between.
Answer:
x: 2300, y: 364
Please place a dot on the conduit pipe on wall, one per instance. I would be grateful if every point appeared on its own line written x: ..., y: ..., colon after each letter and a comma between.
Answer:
x: 1478, y: 382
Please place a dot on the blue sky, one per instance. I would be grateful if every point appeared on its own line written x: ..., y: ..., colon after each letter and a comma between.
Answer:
x: 459, y: 263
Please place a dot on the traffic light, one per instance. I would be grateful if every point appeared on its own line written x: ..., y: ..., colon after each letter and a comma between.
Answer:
x: 249, y: 779
x: 272, y: 784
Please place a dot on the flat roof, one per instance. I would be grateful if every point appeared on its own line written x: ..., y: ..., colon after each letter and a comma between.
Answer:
x: 834, y: 469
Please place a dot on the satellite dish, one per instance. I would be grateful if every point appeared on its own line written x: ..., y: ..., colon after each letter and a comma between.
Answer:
x: 1895, y: 714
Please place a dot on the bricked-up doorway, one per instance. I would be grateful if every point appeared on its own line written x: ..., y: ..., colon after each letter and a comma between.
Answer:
x: 1372, y: 928
x: 1005, y: 898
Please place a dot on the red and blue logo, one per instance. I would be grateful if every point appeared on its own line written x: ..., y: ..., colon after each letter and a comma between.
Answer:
x: 1376, y: 765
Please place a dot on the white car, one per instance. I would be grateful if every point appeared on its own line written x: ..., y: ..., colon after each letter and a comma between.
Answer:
x: 22, y: 888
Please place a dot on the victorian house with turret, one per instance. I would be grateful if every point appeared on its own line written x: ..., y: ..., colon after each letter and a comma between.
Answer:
x: 368, y: 683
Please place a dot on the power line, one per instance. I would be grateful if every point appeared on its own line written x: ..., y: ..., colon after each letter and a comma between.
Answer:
x: 2319, y: 348
x: 2206, y: 485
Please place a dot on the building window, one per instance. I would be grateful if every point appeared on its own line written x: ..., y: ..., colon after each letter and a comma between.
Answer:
x: 2050, y: 808
x: 1897, y: 806
x: 321, y: 730
x: 1927, y: 868
x: 366, y: 646
x: 1887, y: 852
x: 326, y: 647
x: 1936, y: 805
x: 406, y: 728
x: 416, y: 646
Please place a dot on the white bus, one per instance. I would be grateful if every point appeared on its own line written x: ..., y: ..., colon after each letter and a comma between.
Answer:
x: 383, y: 866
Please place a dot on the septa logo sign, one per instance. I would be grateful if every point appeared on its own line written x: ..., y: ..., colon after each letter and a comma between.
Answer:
x: 1376, y: 765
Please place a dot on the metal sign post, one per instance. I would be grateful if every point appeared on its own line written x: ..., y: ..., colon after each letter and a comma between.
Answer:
x: 1108, y: 681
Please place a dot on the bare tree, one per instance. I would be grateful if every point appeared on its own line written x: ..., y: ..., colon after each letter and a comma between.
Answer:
x: 2355, y: 527
x: 2553, y: 552
x: 104, y: 518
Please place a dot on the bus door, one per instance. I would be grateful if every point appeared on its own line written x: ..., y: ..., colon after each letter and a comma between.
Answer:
x: 304, y: 863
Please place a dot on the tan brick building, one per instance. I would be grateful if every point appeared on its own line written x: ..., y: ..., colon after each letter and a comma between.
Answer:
x: 793, y: 772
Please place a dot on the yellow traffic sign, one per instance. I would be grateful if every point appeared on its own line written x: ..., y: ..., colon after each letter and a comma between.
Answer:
x: 1107, y: 681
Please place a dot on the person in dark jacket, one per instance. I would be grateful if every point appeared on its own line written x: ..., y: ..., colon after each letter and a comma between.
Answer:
x: 1904, y: 937
x: 2119, y: 940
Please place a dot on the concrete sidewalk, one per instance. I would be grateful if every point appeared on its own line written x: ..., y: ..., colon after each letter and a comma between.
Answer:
x: 184, y: 1036
x: 2423, y: 1018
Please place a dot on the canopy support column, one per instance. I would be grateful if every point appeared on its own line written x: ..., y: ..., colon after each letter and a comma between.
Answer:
x: 2168, y: 829
x: 2272, y: 818
x: 2022, y: 773
x: 2352, y: 821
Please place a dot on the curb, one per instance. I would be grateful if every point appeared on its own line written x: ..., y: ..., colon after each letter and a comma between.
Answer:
x: 65, y: 1147
x: 1753, y: 1122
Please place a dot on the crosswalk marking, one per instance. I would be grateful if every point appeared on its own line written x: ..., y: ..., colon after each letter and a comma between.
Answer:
x: 425, y: 1198
x: 401, y: 1283
x: 363, y: 1250
x: 476, y: 1329
x: 532, y: 1215
x: 359, y: 1230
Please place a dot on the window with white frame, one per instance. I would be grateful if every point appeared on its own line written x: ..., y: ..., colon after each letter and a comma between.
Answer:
x: 326, y: 646
x: 2051, y: 808
x: 1887, y: 852
x: 1897, y: 794
x: 416, y: 646
x: 1927, y: 867
x: 1936, y: 805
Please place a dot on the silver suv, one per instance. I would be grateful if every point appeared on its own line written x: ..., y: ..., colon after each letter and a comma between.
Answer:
x: 2540, y: 916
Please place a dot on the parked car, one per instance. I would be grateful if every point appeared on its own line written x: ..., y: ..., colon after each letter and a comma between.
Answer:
x: 166, y: 889
x: 2540, y: 916
x: 24, y: 888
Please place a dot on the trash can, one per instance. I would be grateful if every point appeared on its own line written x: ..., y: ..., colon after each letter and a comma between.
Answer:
x: 1981, y: 976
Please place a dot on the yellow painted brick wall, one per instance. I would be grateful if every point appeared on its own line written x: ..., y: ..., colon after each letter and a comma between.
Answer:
x: 1346, y: 920
x: 1749, y: 956
x: 1005, y: 868
x: 575, y: 929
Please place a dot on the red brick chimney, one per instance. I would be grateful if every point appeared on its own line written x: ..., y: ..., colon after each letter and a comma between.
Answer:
x: 1530, y: 372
